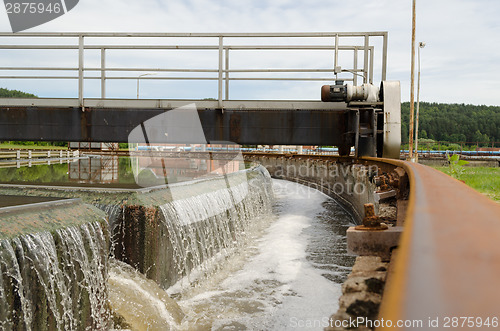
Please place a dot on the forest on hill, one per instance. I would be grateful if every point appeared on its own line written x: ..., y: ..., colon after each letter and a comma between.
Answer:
x: 6, y: 93
x: 455, y: 123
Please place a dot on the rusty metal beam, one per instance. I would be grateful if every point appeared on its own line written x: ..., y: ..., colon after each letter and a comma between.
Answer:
x: 448, y: 260
x: 241, y: 126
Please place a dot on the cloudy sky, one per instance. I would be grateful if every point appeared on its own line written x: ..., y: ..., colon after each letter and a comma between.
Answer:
x: 459, y: 64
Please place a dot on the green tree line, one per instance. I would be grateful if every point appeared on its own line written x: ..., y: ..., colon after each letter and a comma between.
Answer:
x: 6, y: 93
x: 454, y: 122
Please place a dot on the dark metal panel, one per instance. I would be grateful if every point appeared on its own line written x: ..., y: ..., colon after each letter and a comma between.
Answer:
x: 274, y: 127
x: 283, y: 127
x: 115, y: 124
x: 31, y: 123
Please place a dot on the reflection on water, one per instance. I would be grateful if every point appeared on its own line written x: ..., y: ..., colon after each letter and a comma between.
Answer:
x: 122, y: 172
x: 102, y: 170
x: 36, y: 174
x: 86, y: 171
x: 158, y: 170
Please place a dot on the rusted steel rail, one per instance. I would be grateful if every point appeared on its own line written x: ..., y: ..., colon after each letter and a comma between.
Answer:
x: 448, y: 261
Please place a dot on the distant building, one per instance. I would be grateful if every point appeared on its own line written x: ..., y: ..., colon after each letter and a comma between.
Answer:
x: 488, y: 149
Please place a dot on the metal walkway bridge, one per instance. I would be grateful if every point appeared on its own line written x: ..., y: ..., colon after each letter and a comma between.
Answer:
x: 86, y: 68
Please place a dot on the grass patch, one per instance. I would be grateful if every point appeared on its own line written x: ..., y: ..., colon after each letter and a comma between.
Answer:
x: 482, y: 179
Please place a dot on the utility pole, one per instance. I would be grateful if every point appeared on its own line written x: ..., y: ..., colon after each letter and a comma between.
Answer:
x: 412, y: 81
x: 420, y: 45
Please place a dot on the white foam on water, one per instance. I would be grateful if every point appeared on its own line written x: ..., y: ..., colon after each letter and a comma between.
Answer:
x: 273, y: 286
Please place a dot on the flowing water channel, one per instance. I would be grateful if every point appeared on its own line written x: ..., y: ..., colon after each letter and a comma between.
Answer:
x: 248, y: 256
x: 287, y: 274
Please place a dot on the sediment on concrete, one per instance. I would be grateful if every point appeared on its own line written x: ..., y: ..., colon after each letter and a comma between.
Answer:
x: 350, y: 183
x: 361, y: 296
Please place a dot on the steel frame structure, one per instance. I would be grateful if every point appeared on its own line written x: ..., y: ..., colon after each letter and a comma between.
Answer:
x: 273, y: 122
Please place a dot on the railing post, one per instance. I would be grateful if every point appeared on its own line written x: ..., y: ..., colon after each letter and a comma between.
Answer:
x: 355, y: 75
x: 371, y: 65
x: 336, y: 58
x: 221, y: 63
x: 103, y: 73
x: 365, y: 57
x: 226, y: 95
x: 384, y: 57
x: 80, y: 70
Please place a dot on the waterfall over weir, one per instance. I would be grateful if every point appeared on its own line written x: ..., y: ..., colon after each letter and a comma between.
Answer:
x: 166, y: 232
x: 216, y: 253
x: 54, y: 280
x: 191, y: 235
x: 283, y: 268
x: 204, y: 225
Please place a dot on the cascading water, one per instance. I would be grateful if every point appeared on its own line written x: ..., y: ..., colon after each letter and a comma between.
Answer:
x: 207, y: 225
x: 200, y: 226
x: 268, y: 265
x: 115, y: 216
x: 54, y: 280
x: 285, y: 272
x: 140, y: 301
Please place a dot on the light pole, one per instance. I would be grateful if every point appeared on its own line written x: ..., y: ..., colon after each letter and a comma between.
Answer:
x: 420, y: 45
x: 138, y: 78
x: 412, y: 82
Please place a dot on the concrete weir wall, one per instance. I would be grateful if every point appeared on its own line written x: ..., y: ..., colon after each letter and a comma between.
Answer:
x: 153, y: 237
x: 139, y: 233
x: 348, y: 182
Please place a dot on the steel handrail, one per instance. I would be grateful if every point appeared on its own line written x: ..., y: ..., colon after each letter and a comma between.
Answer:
x: 224, y: 74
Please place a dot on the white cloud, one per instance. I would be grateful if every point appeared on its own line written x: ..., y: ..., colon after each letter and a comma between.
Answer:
x: 461, y: 35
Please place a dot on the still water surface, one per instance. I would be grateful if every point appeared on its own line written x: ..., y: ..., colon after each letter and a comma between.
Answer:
x: 120, y: 172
